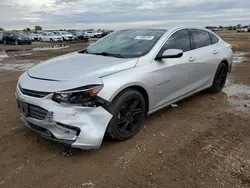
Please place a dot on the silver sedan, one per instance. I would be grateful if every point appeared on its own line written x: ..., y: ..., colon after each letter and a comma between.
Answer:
x: 113, y: 84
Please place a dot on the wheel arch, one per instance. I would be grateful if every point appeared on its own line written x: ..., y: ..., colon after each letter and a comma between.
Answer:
x: 227, y: 64
x: 136, y: 87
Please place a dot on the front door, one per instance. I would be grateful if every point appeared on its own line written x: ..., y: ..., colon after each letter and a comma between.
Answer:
x: 174, y: 77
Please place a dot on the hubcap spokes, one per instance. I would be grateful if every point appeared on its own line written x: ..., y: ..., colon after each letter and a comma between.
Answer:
x: 222, y: 76
x: 129, y: 116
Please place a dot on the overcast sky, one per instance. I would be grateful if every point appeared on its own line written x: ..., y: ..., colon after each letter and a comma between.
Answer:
x: 117, y: 14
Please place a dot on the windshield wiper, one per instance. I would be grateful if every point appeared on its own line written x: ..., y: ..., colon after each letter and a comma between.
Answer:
x: 109, y: 54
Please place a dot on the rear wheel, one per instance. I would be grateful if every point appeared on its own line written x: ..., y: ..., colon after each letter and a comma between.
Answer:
x: 51, y: 40
x: 219, y: 78
x: 128, y: 110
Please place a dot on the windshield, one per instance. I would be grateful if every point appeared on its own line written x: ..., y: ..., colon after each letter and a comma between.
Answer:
x: 127, y: 43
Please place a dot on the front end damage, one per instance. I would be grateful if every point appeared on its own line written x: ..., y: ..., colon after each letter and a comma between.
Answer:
x: 76, y: 126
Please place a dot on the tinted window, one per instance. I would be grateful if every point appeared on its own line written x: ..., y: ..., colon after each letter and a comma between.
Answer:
x: 214, y: 39
x: 127, y: 43
x: 200, y: 38
x: 179, y: 40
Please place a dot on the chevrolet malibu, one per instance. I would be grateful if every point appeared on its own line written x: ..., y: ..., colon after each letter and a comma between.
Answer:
x: 109, y: 87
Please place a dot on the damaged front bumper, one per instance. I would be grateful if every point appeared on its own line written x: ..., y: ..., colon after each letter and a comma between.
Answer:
x: 77, y: 126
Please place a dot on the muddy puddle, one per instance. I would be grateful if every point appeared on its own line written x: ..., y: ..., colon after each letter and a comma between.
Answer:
x: 238, y: 95
x: 56, y: 47
x: 17, y: 66
x: 3, y: 55
x: 239, y: 57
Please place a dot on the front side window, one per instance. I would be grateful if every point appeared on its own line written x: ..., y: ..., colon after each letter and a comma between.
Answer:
x: 127, y: 43
x: 179, y: 40
x: 200, y: 38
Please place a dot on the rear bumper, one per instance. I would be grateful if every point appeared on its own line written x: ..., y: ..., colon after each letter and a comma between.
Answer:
x: 76, y: 126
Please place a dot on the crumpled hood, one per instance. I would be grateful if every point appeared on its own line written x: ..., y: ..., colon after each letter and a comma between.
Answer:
x: 80, y: 66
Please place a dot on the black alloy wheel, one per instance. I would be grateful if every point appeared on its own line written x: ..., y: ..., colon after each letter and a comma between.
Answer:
x: 129, y: 116
x: 222, y: 77
x: 128, y: 110
x: 219, y: 78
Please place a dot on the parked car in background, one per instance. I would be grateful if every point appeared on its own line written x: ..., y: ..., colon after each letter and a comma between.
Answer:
x: 1, y: 37
x: 50, y: 37
x: 66, y: 36
x: 33, y: 36
x: 106, y: 33
x: 242, y: 30
x: 13, y: 37
x: 90, y: 34
x: 111, y: 86
x: 98, y: 34
x: 80, y: 35
x: 248, y: 30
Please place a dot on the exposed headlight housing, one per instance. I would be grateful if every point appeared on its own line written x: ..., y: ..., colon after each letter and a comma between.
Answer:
x: 85, y: 96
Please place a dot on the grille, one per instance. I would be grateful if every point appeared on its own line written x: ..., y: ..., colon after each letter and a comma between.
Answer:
x: 36, y: 112
x: 41, y: 130
x: 38, y: 94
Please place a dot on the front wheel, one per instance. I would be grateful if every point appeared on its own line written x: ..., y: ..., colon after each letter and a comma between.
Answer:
x: 219, y: 78
x: 128, y: 110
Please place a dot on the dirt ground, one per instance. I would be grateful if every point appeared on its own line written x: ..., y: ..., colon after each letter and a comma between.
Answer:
x: 204, y: 142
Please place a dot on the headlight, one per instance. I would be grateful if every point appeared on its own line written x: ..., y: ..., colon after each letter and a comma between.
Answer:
x: 19, y: 38
x: 85, y: 96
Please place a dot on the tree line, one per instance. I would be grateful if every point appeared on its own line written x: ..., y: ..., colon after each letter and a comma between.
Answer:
x: 36, y: 28
x: 228, y: 27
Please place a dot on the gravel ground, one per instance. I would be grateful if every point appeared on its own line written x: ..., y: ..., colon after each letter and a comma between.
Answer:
x: 204, y: 142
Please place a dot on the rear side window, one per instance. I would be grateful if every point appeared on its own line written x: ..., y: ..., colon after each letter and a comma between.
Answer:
x: 179, y: 40
x: 200, y: 38
x: 214, y: 39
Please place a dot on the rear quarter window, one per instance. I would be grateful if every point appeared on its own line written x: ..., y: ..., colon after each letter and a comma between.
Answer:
x: 214, y: 39
x: 200, y: 38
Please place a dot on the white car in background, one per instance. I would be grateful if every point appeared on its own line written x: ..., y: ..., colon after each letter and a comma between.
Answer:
x: 1, y: 36
x: 66, y: 36
x: 242, y: 30
x: 98, y: 34
x: 90, y: 34
x: 50, y: 37
x: 33, y: 36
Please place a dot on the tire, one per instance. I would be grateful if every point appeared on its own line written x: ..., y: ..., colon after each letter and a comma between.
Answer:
x: 63, y: 39
x: 51, y: 40
x: 29, y: 42
x: 125, y: 123
x: 219, y: 78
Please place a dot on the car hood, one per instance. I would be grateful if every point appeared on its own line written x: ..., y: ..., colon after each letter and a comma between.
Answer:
x: 80, y: 66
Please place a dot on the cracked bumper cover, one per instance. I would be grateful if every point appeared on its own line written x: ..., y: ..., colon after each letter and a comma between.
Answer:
x: 80, y: 127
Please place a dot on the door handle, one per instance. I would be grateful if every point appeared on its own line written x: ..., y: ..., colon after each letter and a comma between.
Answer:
x: 192, y: 59
x: 216, y: 52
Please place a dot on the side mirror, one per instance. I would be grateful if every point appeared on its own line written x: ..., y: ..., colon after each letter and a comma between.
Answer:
x: 170, y: 53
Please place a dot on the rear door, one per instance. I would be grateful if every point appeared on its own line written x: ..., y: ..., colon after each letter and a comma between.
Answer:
x: 206, y: 56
